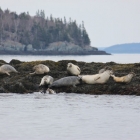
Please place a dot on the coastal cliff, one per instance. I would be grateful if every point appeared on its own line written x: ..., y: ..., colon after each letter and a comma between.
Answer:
x: 23, y: 82
x: 55, y: 48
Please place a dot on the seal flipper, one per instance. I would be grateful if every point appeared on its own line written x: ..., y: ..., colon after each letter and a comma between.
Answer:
x: 7, y: 73
x: 32, y: 73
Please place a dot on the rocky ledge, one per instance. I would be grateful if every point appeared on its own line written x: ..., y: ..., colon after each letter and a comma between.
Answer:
x: 23, y: 82
x: 55, y: 48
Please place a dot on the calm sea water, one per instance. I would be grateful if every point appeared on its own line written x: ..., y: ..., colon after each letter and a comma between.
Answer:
x: 70, y: 116
x: 118, y: 58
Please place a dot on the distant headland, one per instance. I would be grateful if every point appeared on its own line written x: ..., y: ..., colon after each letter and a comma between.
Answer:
x: 124, y: 48
x: 37, y: 35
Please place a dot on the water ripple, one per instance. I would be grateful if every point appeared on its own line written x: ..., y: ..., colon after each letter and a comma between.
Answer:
x: 69, y: 116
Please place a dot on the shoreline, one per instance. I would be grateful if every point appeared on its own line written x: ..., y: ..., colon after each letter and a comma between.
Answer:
x: 51, y: 53
x: 22, y: 82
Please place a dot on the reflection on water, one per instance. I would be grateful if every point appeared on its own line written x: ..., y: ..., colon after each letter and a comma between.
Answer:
x: 118, y: 58
x: 69, y: 117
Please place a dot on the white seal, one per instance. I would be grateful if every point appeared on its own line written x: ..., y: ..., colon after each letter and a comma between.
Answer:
x: 46, y: 80
x: 50, y: 91
x: 97, y: 78
x: 104, y: 69
x: 40, y: 69
x: 124, y: 79
x: 73, y: 69
x: 6, y: 69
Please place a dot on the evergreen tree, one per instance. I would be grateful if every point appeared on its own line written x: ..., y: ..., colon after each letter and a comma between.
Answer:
x: 39, y: 31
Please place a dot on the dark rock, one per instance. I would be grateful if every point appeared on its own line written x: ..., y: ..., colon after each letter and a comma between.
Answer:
x: 14, y: 62
x: 2, y: 90
x: 23, y: 82
x: 2, y: 62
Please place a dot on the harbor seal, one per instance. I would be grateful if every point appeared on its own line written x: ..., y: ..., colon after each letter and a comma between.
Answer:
x: 66, y: 81
x: 104, y: 69
x: 124, y: 79
x: 46, y: 80
x: 97, y: 78
x: 50, y: 91
x: 73, y: 69
x: 6, y: 69
x: 40, y: 69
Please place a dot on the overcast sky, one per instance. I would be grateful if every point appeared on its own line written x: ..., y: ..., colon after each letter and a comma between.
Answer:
x: 108, y: 22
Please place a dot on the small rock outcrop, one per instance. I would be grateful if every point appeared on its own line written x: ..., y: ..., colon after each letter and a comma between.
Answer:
x: 55, y: 48
x: 23, y: 82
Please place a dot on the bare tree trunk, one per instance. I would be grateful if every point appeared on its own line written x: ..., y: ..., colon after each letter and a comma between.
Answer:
x: 16, y: 28
x: 1, y: 29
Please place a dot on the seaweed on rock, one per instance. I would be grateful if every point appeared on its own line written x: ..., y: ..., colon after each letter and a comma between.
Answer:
x: 22, y: 82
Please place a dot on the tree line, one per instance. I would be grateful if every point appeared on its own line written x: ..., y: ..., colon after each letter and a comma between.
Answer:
x: 40, y: 31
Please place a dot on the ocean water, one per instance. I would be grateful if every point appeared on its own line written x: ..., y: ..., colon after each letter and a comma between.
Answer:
x: 118, y: 58
x: 70, y: 116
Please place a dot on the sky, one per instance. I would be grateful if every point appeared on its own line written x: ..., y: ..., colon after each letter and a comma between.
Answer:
x: 107, y: 22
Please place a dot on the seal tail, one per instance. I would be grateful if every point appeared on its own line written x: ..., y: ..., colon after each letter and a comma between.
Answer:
x: 80, y: 77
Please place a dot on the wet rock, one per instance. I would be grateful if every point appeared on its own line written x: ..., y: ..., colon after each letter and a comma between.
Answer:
x: 2, y: 62
x: 2, y: 90
x: 23, y: 82
x: 14, y: 62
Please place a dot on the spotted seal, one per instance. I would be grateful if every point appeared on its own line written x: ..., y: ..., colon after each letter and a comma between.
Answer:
x: 66, y: 81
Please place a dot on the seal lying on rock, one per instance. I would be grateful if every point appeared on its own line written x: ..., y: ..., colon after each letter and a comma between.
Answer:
x: 124, y: 79
x: 40, y: 69
x: 97, y: 78
x: 73, y: 69
x: 6, y: 69
x: 46, y: 80
x: 104, y: 69
x: 66, y: 81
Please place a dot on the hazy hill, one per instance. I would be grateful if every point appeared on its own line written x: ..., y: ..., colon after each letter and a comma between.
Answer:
x: 124, y: 48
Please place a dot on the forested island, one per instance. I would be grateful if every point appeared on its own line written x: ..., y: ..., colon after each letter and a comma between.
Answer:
x: 25, y: 34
